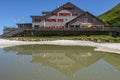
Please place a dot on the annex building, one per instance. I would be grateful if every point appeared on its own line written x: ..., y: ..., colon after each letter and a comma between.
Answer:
x: 67, y: 19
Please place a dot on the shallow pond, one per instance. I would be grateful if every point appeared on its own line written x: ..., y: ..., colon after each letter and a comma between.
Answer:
x: 52, y: 62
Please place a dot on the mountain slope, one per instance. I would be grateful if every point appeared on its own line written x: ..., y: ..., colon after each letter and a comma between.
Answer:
x: 112, y: 17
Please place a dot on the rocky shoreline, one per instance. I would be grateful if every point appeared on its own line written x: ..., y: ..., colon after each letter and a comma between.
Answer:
x: 106, y: 47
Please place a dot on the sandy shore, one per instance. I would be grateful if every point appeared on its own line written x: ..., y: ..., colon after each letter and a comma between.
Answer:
x: 106, y: 47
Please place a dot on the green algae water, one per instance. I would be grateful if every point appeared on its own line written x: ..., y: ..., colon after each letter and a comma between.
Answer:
x: 52, y: 62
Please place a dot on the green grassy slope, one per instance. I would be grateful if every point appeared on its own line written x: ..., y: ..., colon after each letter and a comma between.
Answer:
x: 112, y: 17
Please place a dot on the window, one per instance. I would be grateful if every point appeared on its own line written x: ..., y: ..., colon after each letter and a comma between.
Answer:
x: 60, y: 20
x: 50, y: 20
x: 74, y: 14
x: 86, y: 19
x: 36, y: 20
x: 65, y: 19
x: 64, y: 14
x: 54, y: 20
x: 82, y: 20
x: 91, y: 20
x: 36, y: 26
x: 39, y: 20
x: 61, y: 14
x: 71, y: 26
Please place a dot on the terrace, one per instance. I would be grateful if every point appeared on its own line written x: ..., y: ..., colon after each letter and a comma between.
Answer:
x: 12, y: 32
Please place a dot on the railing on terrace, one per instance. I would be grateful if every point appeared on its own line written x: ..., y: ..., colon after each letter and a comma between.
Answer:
x: 76, y: 29
x: 15, y: 31
x: 70, y: 29
x: 12, y: 32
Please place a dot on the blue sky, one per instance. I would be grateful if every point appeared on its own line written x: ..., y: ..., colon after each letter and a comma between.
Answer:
x: 15, y: 11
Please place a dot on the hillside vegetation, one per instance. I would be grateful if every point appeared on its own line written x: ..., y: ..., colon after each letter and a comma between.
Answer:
x: 111, y: 17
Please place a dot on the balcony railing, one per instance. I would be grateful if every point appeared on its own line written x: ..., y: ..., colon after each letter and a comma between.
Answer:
x: 76, y: 29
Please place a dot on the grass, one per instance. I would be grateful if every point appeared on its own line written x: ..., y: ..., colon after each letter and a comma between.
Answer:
x: 112, y: 17
x: 94, y: 38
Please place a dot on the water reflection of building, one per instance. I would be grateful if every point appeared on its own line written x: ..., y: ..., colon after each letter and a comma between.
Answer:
x: 65, y: 59
x: 64, y: 63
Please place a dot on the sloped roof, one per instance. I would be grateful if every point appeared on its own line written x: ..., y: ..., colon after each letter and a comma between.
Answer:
x: 57, y: 9
x: 68, y: 3
x: 24, y: 24
x: 83, y: 15
x: 46, y: 12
